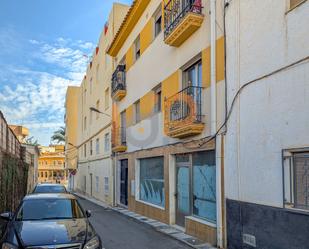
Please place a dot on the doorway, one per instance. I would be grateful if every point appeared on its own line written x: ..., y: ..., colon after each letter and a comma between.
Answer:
x: 182, y: 188
x: 124, y: 182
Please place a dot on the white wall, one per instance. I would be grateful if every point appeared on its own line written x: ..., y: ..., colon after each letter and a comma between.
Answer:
x: 270, y: 114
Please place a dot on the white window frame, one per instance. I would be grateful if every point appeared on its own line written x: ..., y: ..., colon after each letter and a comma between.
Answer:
x: 288, y: 185
x: 97, y: 146
x: 107, y: 142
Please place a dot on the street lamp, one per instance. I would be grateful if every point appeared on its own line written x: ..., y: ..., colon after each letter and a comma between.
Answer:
x: 98, y: 111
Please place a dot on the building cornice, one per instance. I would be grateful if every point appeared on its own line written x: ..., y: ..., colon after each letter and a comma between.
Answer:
x: 134, y: 13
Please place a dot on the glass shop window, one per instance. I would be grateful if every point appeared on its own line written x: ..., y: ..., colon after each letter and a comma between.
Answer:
x: 152, y: 180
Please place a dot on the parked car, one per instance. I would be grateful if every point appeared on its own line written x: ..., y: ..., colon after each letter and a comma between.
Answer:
x: 49, y: 188
x: 49, y: 221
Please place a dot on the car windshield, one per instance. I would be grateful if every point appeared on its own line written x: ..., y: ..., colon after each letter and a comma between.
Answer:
x: 49, y: 209
x: 49, y: 189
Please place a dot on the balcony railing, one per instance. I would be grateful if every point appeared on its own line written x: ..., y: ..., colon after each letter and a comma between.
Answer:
x: 119, y: 82
x: 119, y: 139
x: 185, y: 16
x: 183, y: 113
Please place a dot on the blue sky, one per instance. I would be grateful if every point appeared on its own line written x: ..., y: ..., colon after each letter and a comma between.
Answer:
x: 43, y: 44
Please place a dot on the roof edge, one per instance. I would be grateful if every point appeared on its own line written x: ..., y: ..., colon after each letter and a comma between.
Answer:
x: 134, y: 13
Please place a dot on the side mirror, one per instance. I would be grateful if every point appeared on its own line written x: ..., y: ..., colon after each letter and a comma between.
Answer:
x: 6, y: 216
x: 88, y: 213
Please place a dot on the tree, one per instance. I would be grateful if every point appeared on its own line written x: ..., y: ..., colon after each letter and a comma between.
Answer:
x: 59, y: 135
x: 30, y: 141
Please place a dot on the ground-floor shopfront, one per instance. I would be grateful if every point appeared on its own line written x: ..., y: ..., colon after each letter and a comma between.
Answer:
x: 53, y: 176
x: 173, y: 184
x: 95, y: 179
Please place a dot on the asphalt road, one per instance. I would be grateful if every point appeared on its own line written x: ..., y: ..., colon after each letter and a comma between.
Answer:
x: 120, y: 232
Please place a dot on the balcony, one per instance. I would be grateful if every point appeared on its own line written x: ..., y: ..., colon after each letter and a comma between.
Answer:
x: 181, y: 19
x: 183, y: 113
x: 119, y: 83
x: 119, y: 140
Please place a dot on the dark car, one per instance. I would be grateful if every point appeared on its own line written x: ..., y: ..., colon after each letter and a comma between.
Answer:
x: 49, y: 188
x: 52, y: 221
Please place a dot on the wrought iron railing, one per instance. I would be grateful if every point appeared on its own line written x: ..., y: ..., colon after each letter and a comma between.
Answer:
x: 119, y: 137
x: 119, y: 79
x: 176, y: 10
x: 185, y: 107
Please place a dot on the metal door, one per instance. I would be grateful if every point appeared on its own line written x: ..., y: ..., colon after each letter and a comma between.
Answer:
x: 183, y: 197
x: 124, y: 182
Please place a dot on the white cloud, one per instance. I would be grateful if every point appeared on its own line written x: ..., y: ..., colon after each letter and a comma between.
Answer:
x: 34, y: 42
x: 36, y: 98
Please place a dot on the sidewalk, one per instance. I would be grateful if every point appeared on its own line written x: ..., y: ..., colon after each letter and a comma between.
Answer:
x: 168, y: 230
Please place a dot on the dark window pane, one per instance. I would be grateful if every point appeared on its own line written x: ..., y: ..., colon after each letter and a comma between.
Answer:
x: 301, y: 175
x: 152, y: 180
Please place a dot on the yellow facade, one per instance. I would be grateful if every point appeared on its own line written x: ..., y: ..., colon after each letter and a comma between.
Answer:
x: 51, y: 167
x: 71, y: 118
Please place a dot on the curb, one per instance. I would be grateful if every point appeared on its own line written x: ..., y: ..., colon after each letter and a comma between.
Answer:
x: 158, y: 226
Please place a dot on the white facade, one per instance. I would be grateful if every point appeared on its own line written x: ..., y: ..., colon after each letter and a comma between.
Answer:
x: 95, y: 170
x: 271, y: 114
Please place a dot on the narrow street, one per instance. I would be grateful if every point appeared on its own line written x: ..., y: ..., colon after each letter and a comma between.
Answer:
x: 120, y: 232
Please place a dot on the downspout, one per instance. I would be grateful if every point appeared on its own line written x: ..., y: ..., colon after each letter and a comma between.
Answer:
x: 213, y: 90
x: 213, y: 117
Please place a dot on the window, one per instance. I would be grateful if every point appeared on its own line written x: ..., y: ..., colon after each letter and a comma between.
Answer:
x: 137, y: 115
x: 97, y: 74
x: 97, y: 106
x: 157, y: 21
x: 106, y: 98
x: 106, y: 142
x: 90, y: 148
x: 296, y: 179
x: 90, y: 119
x: 97, y: 146
x: 151, y: 180
x: 85, y: 150
x: 106, y: 185
x: 49, y: 209
x: 193, y: 75
x: 204, y: 185
x: 137, y: 48
x: 97, y: 184
x: 90, y: 85
x: 196, y: 184
x: 107, y: 59
x: 85, y: 96
x: 85, y: 123
x: 158, y: 99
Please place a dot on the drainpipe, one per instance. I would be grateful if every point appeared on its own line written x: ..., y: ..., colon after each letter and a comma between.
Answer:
x: 213, y: 90
x: 213, y: 117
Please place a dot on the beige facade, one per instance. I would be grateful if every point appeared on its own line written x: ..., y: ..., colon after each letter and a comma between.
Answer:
x: 168, y: 102
x: 95, y: 173
x: 71, y: 119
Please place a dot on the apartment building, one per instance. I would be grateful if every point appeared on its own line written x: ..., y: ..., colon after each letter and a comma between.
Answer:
x: 71, y: 124
x: 267, y: 139
x: 52, y: 165
x: 95, y: 173
x: 168, y: 104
